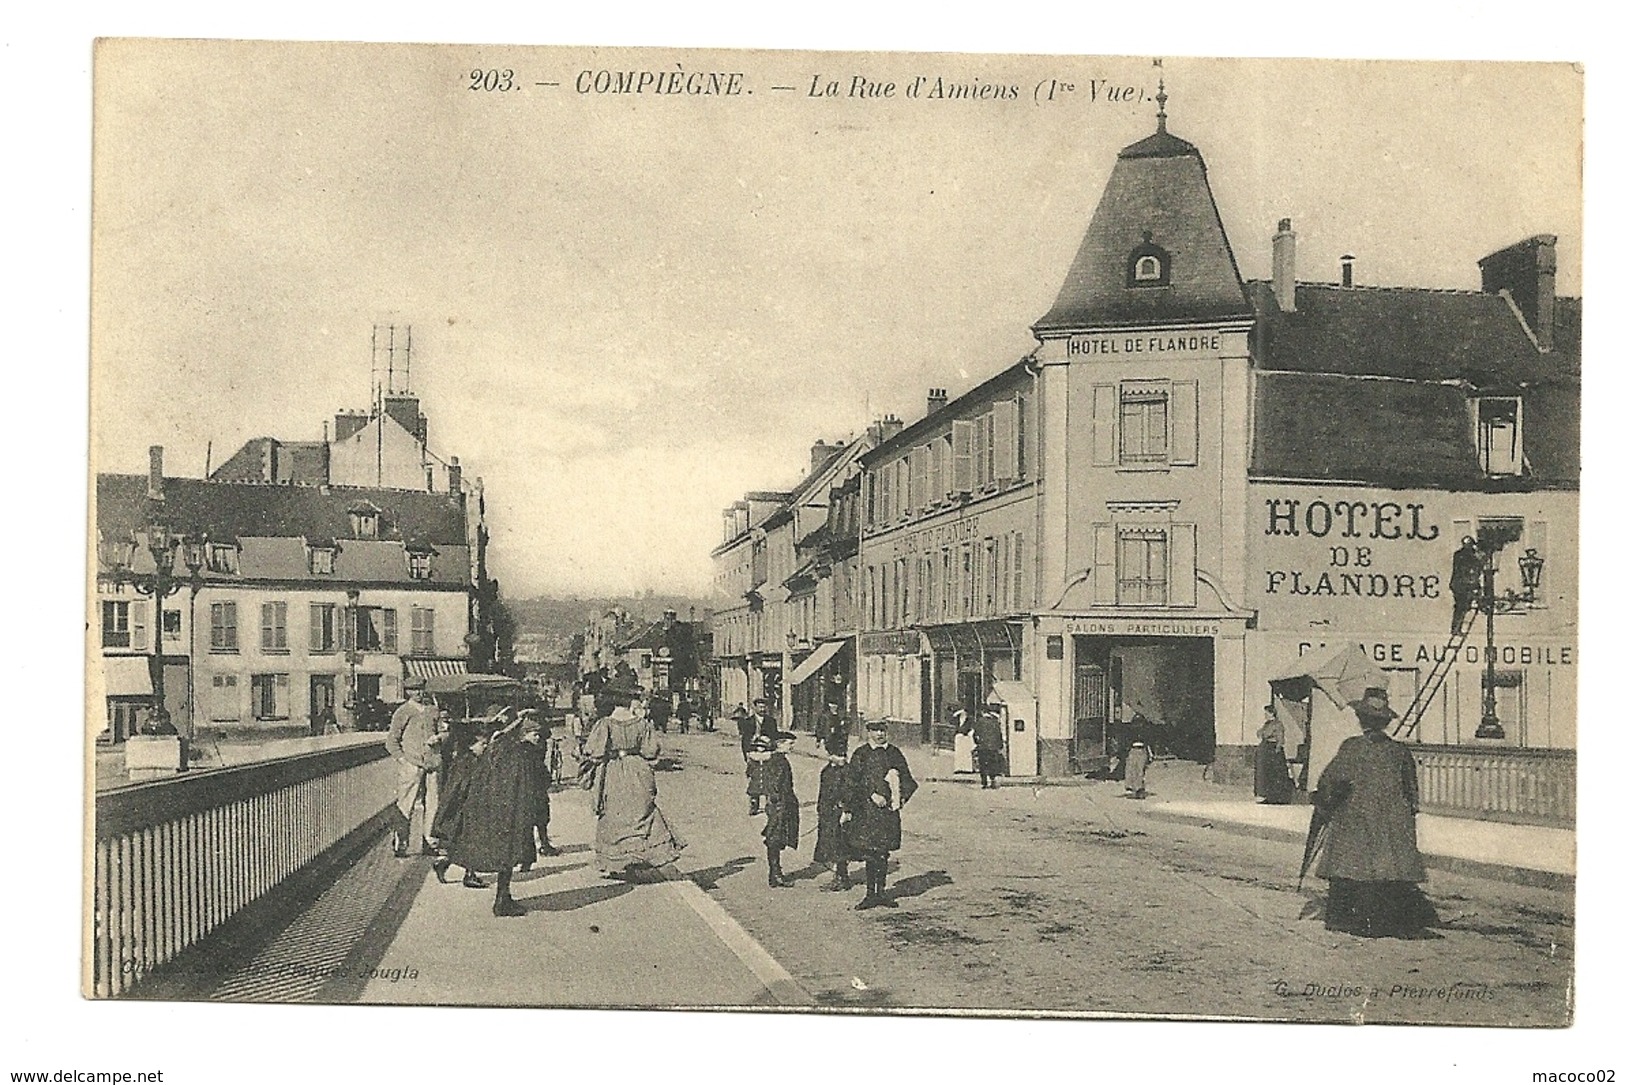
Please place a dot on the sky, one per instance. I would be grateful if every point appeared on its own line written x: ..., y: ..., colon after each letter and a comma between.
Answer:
x: 628, y: 309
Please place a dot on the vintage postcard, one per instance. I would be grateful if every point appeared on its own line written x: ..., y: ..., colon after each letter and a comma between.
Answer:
x: 1072, y: 536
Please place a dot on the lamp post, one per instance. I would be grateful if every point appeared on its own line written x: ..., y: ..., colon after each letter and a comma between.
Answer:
x: 1492, y: 538
x: 159, y: 585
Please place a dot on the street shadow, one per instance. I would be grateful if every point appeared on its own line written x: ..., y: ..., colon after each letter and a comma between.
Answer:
x: 537, y: 873
x: 917, y: 885
x: 708, y: 878
x: 570, y: 899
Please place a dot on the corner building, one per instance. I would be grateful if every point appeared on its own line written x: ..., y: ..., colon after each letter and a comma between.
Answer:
x: 1197, y: 482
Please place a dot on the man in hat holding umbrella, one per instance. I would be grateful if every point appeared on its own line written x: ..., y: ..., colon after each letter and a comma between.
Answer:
x: 1366, y: 799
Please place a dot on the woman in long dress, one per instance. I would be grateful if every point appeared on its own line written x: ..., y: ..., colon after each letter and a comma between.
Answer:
x: 632, y: 832
x: 1368, y: 792
x: 1272, y: 783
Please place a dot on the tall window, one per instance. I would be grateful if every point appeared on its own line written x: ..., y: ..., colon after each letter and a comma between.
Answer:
x: 375, y: 630
x: 270, y: 696
x: 274, y: 627
x: 222, y: 627
x: 1142, y: 567
x: 422, y: 631
x: 123, y: 624
x: 1143, y: 422
x: 323, y: 627
x: 1499, y: 449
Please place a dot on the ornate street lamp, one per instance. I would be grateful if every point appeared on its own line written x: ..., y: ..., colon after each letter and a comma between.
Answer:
x: 158, y: 585
x: 1492, y: 538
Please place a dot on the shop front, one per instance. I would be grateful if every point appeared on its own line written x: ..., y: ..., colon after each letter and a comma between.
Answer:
x: 965, y: 662
x: 822, y: 677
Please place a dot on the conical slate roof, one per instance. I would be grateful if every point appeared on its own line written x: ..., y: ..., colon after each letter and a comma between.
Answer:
x: 1158, y: 188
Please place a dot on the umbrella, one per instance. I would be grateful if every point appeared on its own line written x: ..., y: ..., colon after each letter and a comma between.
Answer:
x: 1343, y: 671
x: 1318, y: 821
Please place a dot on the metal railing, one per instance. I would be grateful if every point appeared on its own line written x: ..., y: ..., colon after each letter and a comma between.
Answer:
x: 176, y: 858
x: 1505, y: 784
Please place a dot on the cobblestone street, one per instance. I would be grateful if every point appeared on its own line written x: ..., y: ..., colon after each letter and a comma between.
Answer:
x: 1070, y: 899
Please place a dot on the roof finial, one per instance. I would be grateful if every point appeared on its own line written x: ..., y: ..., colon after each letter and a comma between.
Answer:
x: 1162, y: 100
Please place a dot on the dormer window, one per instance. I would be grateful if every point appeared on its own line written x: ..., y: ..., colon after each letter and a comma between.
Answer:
x: 419, y: 561
x: 322, y: 555
x: 1148, y: 264
x: 365, y: 520
x: 222, y: 558
x: 1500, y: 434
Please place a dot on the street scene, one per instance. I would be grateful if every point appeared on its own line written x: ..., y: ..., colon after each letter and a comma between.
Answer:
x: 868, y: 534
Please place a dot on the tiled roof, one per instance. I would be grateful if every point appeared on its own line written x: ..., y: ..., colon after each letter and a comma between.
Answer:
x: 272, y: 523
x: 1406, y: 332
x: 1158, y: 187
x: 1369, y: 384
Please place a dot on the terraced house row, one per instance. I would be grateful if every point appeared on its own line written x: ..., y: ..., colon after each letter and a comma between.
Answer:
x: 1194, y: 494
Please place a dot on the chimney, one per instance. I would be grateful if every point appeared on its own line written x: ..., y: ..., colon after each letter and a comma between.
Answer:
x: 1527, y: 272
x: 1348, y: 269
x: 347, y: 425
x: 890, y: 427
x: 935, y: 400
x: 404, y: 409
x: 1285, y: 275
x: 668, y: 618
x: 454, y: 476
x: 155, y: 472
x: 823, y: 450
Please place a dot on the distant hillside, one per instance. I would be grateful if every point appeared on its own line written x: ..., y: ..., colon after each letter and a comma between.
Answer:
x: 549, y: 623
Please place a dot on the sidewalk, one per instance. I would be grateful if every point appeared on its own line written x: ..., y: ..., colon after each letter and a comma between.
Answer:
x: 664, y: 944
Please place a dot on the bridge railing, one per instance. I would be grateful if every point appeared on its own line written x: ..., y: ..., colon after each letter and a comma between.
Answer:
x: 176, y: 858
x: 1504, y: 784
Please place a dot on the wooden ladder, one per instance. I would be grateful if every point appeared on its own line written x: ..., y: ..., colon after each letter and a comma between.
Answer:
x: 1406, y: 725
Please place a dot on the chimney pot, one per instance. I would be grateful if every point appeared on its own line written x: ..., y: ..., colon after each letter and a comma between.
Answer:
x: 1348, y: 270
x: 155, y: 472
x: 935, y: 400
x: 1285, y: 269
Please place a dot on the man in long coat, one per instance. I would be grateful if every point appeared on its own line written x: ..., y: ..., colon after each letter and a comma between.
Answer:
x: 878, y: 784
x: 1368, y: 792
x: 413, y: 741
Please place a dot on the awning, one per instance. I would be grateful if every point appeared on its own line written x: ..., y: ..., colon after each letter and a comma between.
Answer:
x: 1343, y: 670
x: 435, y: 668
x: 127, y: 676
x: 1011, y: 693
x: 820, y: 656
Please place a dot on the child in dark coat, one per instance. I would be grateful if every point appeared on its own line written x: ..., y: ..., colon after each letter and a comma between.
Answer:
x: 783, y: 828
x: 831, y: 847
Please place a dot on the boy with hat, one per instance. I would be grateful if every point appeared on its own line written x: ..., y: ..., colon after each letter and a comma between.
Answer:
x: 878, y: 784
x: 830, y: 848
x: 783, y: 828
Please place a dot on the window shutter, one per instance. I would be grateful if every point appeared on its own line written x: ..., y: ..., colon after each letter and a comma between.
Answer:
x: 267, y: 625
x: 391, y: 644
x: 1004, y: 440
x: 1105, y: 573
x: 1105, y: 425
x: 1023, y: 460
x: 945, y: 468
x: 138, y: 625
x: 964, y: 442
x: 316, y: 644
x: 919, y: 470
x: 1182, y: 424
x: 1181, y: 565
